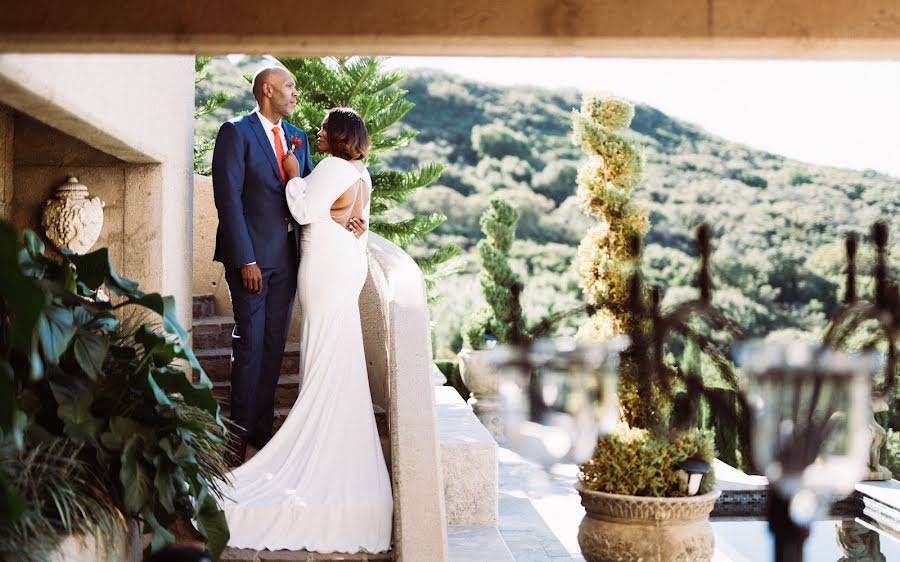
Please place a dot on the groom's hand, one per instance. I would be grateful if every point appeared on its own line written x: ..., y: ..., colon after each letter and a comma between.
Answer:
x: 357, y: 226
x: 291, y: 165
x: 252, y: 278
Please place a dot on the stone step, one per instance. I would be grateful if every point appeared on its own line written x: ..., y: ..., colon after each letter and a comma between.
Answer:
x: 204, y: 306
x: 249, y: 555
x: 217, y: 361
x: 212, y: 332
x: 285, y: 393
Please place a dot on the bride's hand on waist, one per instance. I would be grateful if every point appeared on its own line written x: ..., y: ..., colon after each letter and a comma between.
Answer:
x: 357, y: 226
x: 291, y: 165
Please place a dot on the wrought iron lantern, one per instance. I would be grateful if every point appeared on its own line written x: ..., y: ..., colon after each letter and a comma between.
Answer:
x: 557, y: 396
x: 811, y: 406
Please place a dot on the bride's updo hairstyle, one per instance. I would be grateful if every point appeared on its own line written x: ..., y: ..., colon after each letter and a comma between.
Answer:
x: 347, y: 134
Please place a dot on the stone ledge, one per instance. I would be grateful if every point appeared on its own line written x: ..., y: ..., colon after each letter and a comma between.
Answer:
x: 469, y: 459
x: 745, y: 495
x: 742, y: 494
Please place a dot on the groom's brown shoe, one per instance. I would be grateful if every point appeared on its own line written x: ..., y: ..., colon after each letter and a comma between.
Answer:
x: 236, y: 451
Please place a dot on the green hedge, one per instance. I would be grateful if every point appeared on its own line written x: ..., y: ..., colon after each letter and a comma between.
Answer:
x: 450, y: 368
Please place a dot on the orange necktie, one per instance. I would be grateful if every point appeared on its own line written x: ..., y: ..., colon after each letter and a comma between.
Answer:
x: 279, y: 153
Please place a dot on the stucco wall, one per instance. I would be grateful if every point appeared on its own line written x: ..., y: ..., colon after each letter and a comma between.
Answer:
x: 137, y: 109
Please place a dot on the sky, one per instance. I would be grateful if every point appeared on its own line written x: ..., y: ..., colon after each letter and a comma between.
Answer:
x: 836, y: 113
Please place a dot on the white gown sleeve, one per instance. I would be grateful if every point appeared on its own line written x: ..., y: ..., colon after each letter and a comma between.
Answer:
x: 309, y: 199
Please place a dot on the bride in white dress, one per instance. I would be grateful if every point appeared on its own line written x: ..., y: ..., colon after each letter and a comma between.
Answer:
x: 321, y: 483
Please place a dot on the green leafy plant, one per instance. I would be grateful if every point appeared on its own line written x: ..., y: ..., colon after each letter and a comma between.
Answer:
x: 632, y: 461
x: 64, y: 492
x: 205, y: 106
x: 89, y: 380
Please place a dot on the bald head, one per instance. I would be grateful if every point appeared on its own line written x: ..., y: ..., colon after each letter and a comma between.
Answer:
x: 275, y: 92
x: 268, y: 75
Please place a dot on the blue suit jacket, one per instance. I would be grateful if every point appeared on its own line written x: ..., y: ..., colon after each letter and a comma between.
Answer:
x: 249, y: 193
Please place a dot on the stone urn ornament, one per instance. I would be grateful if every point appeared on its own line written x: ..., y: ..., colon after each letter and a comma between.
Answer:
x: 71, y: 219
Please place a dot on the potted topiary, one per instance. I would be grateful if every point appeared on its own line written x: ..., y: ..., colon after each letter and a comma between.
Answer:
x: 493, y: 322
x: 648, y: 489
x: 500, y: 320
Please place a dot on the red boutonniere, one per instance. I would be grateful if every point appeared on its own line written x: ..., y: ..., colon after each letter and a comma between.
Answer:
x: 295, y: 140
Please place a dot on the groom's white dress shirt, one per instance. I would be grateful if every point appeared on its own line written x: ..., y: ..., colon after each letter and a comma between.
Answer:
x: 268, y: 126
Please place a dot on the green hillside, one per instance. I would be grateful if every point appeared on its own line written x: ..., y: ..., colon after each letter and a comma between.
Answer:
x: 777, y: 222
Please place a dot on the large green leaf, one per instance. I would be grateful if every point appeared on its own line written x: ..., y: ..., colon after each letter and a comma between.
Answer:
x: 80, y: 425
x: 181, y: 455
x: 12, y: 505
x: 161, y: 536
x: 121, y: 429
x: 95, y: 269
x: 165, y: 307
x: 22, y: 298
x: 211, y: 523
x: 165, y: 488
x: 69, y: 279
x: 7, y: 394
x: 156, y: 346
x: 96, y: 319
x: 57, y: 328
x: 161, y: 398
x: 134, y: 477
x: 33, y: 243
x: 90, y: 352
x: 169, y: 382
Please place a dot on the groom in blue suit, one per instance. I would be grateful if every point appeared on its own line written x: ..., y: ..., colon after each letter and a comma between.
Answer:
x: 258, y: 242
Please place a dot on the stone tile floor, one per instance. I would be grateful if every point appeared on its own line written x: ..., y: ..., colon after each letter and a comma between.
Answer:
x: 539, y: 511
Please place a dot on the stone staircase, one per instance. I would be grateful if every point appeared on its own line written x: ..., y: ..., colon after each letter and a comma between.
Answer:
x: 212, y: 346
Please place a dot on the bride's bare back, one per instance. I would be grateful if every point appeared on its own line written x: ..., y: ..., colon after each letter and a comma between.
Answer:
x: 350, y: 204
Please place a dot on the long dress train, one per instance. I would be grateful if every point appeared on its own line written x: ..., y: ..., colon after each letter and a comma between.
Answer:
x: 321, y: 483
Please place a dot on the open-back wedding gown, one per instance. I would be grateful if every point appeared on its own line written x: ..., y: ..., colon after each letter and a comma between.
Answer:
x: 321, y: 483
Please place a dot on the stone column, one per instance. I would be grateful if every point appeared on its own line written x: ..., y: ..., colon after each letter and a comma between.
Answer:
x: 7, y: 132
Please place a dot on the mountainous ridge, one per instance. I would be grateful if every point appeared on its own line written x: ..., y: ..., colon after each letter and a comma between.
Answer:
x: 777, y: 222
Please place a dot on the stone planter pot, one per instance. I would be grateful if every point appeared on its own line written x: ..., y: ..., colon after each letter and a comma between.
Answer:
x: 618, y: 528
x: 483, y: 380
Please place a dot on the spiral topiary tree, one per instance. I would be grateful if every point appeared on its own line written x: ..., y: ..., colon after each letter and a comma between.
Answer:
x: 502, y: 316
x: 607, y: 256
